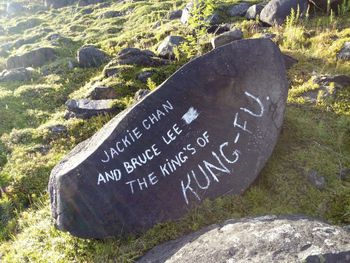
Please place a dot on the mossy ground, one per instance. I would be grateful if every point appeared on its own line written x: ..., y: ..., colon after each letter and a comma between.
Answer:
x: 315, y: 137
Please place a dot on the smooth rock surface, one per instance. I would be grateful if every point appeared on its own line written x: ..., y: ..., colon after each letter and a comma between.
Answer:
x: 33, y: 58
x: 90, y: 56
x: 256, y: 240
x: 227, y: 37
x: 205, y: 132
x: 166, y: 48
x: 254, y: 11
x: 238, y: 10
x: 276, y: 11
x: 344, y: 53
x: 86, y: 108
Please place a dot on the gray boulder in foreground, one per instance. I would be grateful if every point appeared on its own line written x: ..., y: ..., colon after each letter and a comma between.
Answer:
x: 256, y: 240
x: 205, y: 132
x: 276, y: 11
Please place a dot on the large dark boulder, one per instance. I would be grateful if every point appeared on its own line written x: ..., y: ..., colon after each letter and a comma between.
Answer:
x: 90, y: 56
x: 205, y: 132
x: 261, y: 239
x: 34, y: 58
x: 276, y: 11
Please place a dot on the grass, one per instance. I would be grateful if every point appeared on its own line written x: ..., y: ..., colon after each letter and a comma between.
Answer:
x: 315, y: 137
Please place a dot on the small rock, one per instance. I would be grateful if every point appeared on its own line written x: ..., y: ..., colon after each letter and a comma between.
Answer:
x: 289, y: 61
x: 33, y: 58
x: 344, y: 53
x: 316, y: 180
x: 111, y: 69
x: 58, y: 3
x: 43, y: 149
x: 90, y: 56
x: 135, y: 56
x: 276, y: 11
x: 86, y: 108
x: 14, y: 8
x: 110, y: 14
x: 339, y: 81
x: 186, y: 13
x: 89, y: 2
x: 254, y: 11
x: 144, y: 76
x: 53, y: 37
x: 70, y: 64
x: 57, y: 129
x: 17, y: 74
x: 87, y: 11
x: 238, y: 10
x: 268, y: 35
x: 213, y: 19
x: 166, y: 48
x: 218, y: 29
x: 140, y: 94
x: 102, y: 93
x: 227, y: 37
x: 175, y: 14
x: 344, y: 175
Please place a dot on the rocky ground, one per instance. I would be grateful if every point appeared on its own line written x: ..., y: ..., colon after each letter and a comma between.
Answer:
x: 67, y: 67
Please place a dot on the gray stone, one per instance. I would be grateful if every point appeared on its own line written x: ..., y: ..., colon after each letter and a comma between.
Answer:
x: 57, y: 129
x: 219, y: 29
x: 186, y: 12
x: 58, y: 3
x: 90, y: 56
x: 175, y: 148
x: 261, y: 239
x: 17, y: 74
x: 102, y: 93
x: 140, y: 94
x: 166, y: 48
x: 238, y: 10
x: 254, y: 11
x: 86, y: 108
x: 110, y: 14
x: 339, y: 81
x: 89, y: 2
x: 176, y: 14
x: 213, y: 19
x: 340, y: 257
x: 344, y: 175
x: 316, y: 180
x: 135, y: 56
x: 268, y: 35
x: 111, y: 69
x: 276, y: 11
x: 33, y: 58
x: 227, y: 37
x: 14, y: 8
x: 344, y: 53
x: 144, y: 76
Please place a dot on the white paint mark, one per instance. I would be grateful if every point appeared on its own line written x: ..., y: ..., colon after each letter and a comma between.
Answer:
x: 267, y: 98
x: 237, y: 137
x: 260, y: 105
x: 190, y: 115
